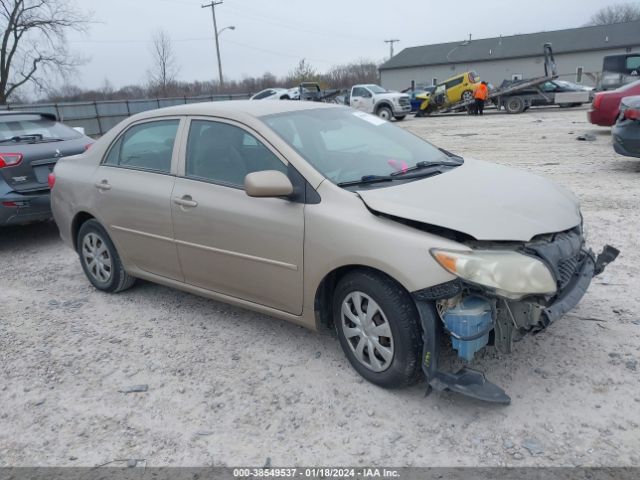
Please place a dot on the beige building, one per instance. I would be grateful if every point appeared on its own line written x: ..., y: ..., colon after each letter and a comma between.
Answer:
x: 578, y: 54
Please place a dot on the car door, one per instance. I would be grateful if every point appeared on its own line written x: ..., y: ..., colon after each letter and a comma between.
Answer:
x: 362, y: 99
x: 133, y: 195
x: 228, y: 242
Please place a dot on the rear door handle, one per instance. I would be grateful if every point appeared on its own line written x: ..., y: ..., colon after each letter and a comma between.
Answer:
x: 103, y: 185
x: 185, y: 201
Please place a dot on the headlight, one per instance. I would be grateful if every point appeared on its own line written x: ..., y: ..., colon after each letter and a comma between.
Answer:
x: 510, y: 274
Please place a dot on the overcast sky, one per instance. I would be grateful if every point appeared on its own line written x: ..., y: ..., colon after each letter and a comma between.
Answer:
x: 274, y: 35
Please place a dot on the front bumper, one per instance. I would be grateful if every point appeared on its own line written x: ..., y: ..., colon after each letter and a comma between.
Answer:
x: 401, y: 109
x: 22, y: 208
x: 511, y: 318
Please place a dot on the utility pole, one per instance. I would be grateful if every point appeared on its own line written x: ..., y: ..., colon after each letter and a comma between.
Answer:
x: 391, y: 42
x: 213, y: 5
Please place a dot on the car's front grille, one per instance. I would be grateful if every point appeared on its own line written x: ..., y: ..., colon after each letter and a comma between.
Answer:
x: 404, y: 102
x: 563, y: 253
x: 566, y: 269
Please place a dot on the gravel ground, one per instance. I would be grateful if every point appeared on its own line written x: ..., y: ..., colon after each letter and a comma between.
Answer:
x: 230, y: 387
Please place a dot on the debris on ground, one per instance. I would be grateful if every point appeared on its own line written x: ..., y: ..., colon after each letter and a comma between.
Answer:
x: 135, y: 389
x: 533, y: 446
x: 587, y: 137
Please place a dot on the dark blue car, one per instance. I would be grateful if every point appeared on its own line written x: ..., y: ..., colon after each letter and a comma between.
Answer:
x: 30, y: 146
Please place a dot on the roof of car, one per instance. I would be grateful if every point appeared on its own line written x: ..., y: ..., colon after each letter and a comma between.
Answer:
x: 254, y: 108
x: 25, y: 112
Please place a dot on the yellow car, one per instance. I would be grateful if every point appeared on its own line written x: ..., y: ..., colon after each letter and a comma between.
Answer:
x: 452, y: 90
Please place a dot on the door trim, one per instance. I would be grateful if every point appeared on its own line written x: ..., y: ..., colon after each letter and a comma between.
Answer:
x: 288, y: 266
x: 143, y: 234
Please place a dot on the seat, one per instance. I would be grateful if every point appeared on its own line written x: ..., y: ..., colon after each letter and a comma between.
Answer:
x: 216, y: 158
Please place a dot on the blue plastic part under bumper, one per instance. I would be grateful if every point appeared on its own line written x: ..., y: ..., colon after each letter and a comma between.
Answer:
x: 22, y: 208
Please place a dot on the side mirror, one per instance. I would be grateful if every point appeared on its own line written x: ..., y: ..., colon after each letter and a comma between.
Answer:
x: 267, y: 183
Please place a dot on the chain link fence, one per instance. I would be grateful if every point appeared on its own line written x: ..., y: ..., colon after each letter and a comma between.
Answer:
x: 99, y: 117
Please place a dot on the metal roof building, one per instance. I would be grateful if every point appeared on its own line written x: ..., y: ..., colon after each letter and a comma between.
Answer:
x: 578, y: 52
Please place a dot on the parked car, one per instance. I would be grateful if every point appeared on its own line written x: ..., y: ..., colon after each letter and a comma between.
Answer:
x: 329, y: 217
x: 277, y: 94
x: 626, y: 132
x: 30, y: 146
x: 453, y: 90
x: 606, y: 105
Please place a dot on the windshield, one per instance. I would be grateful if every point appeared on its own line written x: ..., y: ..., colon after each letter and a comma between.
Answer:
x: 29, y: 128
x: 346, y: 145
x: 376, y: 89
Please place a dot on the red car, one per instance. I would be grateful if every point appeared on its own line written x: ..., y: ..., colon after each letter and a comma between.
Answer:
x: 606, y: 105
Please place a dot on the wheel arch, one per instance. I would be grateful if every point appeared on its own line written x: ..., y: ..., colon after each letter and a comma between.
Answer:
x: 383, y: 103
x: 322, y: 303
x: 78, y: 220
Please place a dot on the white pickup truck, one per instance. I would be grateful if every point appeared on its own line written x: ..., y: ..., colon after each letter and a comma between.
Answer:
x: 375, y: 99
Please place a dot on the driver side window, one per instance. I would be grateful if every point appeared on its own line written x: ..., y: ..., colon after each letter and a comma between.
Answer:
x: 222, y: 153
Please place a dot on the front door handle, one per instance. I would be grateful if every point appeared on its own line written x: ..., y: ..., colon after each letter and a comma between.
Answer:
x: 103, y: 185
x: 185, y: 201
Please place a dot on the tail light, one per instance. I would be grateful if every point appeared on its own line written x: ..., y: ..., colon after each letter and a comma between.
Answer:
x: 87, y: 146
x: 632, y: 114
x: 597, y: 101
x: 10, y: 159
x: 51, y: 180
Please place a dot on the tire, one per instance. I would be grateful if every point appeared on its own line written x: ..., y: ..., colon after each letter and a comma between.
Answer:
x: 384, y: 112
x: 397, y: 345
x: 399, y: 118
x: 467, y: 95
x: 514, y: 105
x: 106, y: 274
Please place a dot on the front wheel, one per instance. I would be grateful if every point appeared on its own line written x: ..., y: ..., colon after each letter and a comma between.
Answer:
x: 100, y: 260
x: 385, y: 113
x: 379, y: 329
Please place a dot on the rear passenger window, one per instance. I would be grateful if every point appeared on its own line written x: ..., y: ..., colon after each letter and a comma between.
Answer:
x: 223, y: 153
x: 147, y: 146
x: 454, y: 82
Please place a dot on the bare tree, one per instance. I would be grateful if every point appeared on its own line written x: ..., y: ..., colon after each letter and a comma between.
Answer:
x: 617, y: 13
x: 303, y: 72
x: 34, y: 44
x: 164, y: 70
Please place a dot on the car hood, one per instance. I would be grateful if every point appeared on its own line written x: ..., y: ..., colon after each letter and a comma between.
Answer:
x: 484, y: 200
x: 391, y: 95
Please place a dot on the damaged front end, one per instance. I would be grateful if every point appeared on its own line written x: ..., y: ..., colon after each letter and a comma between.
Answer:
x: 503, y: 292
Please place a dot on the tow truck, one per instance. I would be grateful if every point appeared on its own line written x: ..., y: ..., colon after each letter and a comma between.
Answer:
x: 514, y: 98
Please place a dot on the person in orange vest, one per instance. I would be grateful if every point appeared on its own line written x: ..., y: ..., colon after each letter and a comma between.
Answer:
x: 480, y: 94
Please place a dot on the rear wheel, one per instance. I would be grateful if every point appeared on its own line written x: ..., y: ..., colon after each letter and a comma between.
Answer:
x: 514, y: 105
x: 467, y: 96
x: 378, y: 328
x: 100, y: 260
x: 385, y: 113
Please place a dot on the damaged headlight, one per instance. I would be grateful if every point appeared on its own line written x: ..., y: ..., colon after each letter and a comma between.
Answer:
x: 510, y: 274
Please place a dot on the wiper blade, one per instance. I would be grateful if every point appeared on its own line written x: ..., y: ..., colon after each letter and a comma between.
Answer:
x: 426, y: 165
x: 367, y: 179
x: 22, y: 138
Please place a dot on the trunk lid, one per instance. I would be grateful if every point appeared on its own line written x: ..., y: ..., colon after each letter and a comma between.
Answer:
x: 38, y: 160
x: 484, y: 200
